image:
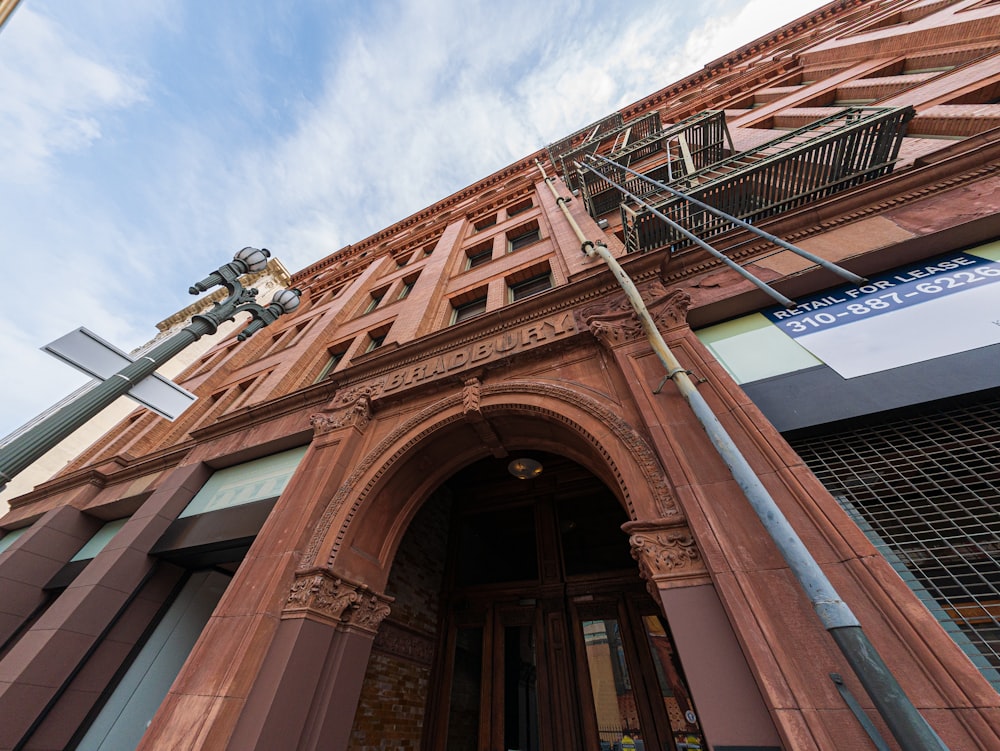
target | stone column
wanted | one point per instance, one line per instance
(309, 686)
(33, 559)
(729, 706)
(206, 703)
(40, 665)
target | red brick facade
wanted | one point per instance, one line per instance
(338, 627)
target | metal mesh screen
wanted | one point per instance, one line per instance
(926, 491)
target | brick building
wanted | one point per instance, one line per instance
(455, 500)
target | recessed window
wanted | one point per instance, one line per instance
(375, 341)
(485, 222)
(336, 355)
(407, 287)
(519, 207)
(376, 299)
(522, 236)
(531, 286)
(466, 310)
(479, 254)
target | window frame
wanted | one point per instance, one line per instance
(514, 287)
(459, 312)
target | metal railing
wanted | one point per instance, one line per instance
(828, 156)
(704, 137)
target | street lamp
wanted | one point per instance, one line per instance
(38, 439)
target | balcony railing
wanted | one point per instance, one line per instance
(673, 151)
(830, 155)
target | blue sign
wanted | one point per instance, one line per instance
(886, 293)
(912, 314)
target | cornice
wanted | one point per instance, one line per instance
(799, 27)
(434, 212)
(102, 476)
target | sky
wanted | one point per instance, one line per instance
(143, 143)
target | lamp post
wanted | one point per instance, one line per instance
(37, 440)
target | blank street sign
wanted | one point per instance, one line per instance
(86, 351)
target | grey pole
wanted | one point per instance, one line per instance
(907, 725)
(40, 438)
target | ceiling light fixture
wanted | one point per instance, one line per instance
(525, 468)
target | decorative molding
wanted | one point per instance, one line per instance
(667, 554)
(397, 640)
(634, 444)
(614, 321)
(357, 415)
(318, 593)
(471, 395)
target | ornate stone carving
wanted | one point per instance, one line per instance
(358, 416)
(667, 554)
(371, 610)
(334, 599)
(404, 643)
(471, 396)
(614, 321)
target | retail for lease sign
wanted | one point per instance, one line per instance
(915, 313)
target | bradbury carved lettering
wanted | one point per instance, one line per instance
(532, 335)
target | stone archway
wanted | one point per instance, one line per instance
(336, 604)
(394, 477)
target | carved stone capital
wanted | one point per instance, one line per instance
(667, 554)
(319, 594)
(613, 320)
(358, 415)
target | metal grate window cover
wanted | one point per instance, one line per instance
(926, 492)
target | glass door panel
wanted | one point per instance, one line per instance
(676, 701)
(466, 688)
(611, 686)
(520, 689)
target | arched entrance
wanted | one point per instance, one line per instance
(545, 635)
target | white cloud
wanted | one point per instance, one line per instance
(52, 96)
(172, 135)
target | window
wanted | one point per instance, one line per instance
(522, 236)
(467, 310)
(531, 286)
(376, 299)
(485, 223)
(375, 341)
(10, 537)
(519, 208)
(479, 254)
(99, 540)
(407, 287)
(336, 355)
(245, 483)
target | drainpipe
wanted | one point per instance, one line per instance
(906, 724)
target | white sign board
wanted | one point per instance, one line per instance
(908, 315)
(86, 351)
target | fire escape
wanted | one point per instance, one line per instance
(671, 182)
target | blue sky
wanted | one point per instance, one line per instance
(143, 143)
